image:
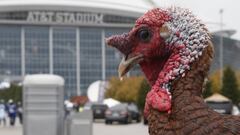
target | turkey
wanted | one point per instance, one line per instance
(174, 51)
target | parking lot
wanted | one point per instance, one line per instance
(99, 128)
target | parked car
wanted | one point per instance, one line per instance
(135, 113)
(99, 111)
(119, 113)
(221, 107)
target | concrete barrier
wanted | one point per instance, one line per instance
(80, 123)
(43, 109)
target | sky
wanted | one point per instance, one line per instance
(208, 12)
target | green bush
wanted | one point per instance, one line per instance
(230, 87)
(208, 89)
(142, 93)
(125, 90)
(14, 93)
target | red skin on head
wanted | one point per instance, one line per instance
(157, 98)
(156, 55)
(155, 17)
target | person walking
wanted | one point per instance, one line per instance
(20, 111)
(2, 113)
(12, 112)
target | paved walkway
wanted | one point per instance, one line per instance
(11, 130)
(98, 129)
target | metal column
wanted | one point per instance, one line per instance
(103, 56)
(221, 48)
(50, 50)
(22, 51)
(78, 60)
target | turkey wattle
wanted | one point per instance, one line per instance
(174, 51)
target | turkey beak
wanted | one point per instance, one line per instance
(127, 63)
(122, 43)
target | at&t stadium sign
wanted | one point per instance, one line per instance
(64, 17)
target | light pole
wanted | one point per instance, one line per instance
(221, 48)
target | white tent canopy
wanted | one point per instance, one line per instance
(217, 98)
(110, 102)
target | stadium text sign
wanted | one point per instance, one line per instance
(64, 17)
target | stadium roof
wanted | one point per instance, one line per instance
(123, 7)
(216, 97)
(225, 33)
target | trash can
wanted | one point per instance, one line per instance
(80, 123)
(43, 108)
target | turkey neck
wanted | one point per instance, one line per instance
(187, 91)
(186, 98)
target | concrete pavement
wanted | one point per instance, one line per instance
(116, 129)
(99, 128)
(11, 130)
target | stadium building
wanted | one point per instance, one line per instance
(230, 48)
(64, 37)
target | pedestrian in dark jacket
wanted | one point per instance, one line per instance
(12, 112)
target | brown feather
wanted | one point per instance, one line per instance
(190, 115)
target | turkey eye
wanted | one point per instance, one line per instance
(144, 35)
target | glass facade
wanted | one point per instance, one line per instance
(34, 43)
(36, 49)
(64, 57)
(90, 56)
(53, 49)
(10, 50)
(69, 44)
(231, 55)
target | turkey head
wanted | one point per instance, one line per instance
(164, 42)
